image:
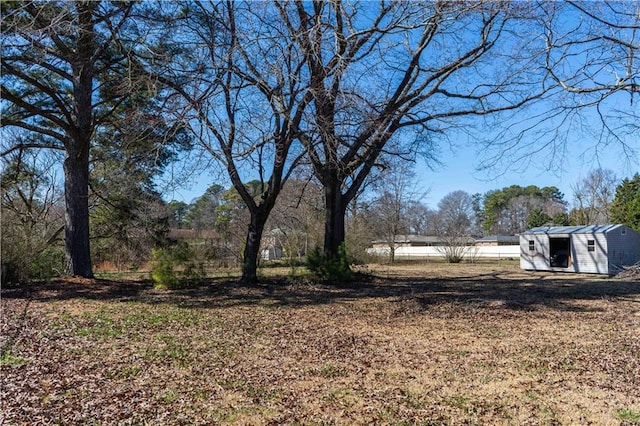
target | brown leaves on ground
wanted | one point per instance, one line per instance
(434, 344)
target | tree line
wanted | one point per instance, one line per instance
(267, 91)
(396, 209)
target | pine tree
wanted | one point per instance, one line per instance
(626, 204)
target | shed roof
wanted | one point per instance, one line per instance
(586, 229)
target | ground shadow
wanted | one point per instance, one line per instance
(494, 290)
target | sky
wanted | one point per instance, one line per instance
(459, 165)
(459, 172)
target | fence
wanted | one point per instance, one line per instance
(470, 253)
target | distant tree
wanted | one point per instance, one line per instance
(593, 196)
(296, 219)
(561, 219)
(454, 221)
(419, 218)
(625, 208)
(396, 189)
(178, 211)
(507, 211)
(537, 217)
(203, 212)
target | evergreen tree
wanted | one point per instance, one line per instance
(626, 204)
(62, 77)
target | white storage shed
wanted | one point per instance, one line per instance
(596, 249)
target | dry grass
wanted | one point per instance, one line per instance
(434, 344)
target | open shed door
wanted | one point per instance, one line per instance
(559, 252)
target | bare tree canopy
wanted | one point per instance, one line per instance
(597, 53)
(392, 77)
(591, 54)
(593, 196)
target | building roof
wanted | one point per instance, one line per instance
(499, 239)
(189, 234)
(414, 239)
(585, 229)
(411, 238)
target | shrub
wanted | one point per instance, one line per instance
(21, 265)
(173, 268)
(334, 268)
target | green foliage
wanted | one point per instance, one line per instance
(335, 268)
(174, 268)
(10, 360)
(497, 203)
(203, 212)
(537, 218)
(626, 204)
(628, 415)
(560, 219)
(21, 263)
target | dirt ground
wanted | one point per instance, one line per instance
(412, 344)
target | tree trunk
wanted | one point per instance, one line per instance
(252, 248)
(76, 164)
(76, 197)
(335, 210)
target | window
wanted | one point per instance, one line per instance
(591, 245)
(532, 245)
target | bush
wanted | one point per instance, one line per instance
(330, 268)
(25, 265)
(173, 268)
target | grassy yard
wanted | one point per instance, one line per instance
(431, 344)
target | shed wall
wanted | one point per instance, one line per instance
(591, 262)
(624, 249)
(582, 260)
(538, 259)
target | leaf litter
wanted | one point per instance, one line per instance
(408, 344)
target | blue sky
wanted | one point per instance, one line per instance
(459, 172)
(563, 165)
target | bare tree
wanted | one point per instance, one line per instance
(32, 216)
(454, 224)
(420, 218)
(61, 79)
(389, 77)
(592, 59)
(593, 197)
(296, 218)
(243, 94)
(397, 189)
